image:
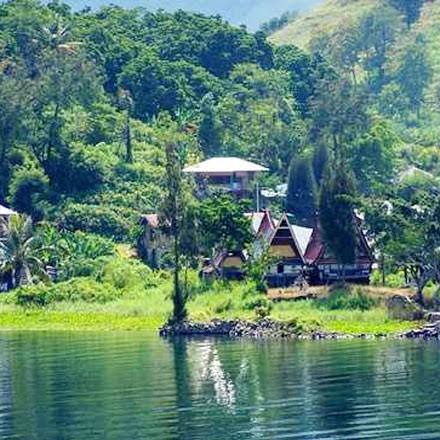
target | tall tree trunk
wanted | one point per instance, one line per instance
(127, 140)
(179, 313)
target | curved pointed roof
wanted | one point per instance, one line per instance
(5, 212)
(225, 165)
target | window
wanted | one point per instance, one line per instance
(280, 269)
(220, 180)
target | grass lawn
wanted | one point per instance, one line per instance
(149, 310)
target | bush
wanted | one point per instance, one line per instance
(123, 273)
(224, 306)
(342, 298)
(28, 189)
(97, 219)
(88, 167)
(74, 254)
(259, 304)
(394, 280)
(76, 289)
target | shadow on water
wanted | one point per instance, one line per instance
(124, 386)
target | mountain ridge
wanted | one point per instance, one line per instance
(251, 13)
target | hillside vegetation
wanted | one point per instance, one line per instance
(324, 18)
(101, 110)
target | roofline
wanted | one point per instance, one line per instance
(292, 233)
(260, 169)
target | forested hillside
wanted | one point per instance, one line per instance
(390, 52)
(91, 101)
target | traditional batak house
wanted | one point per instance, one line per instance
(287, 246)
(153, 243)
(231, 265)
(324, 268)
(228, 265)
(301, 252)
(262, 223)
(5, 213)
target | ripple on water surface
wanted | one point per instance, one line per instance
(125, 386)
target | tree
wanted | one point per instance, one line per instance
(301, 191)
(415, 72)
(66, 77)
(373, 157)
(406, 229)
(178, 218)
(378, 30)
(15, 93)
(320, 161)
(277, 23)
(305, 71)
(336, 214)
(28, 188)
(343, 47)
(339, 113)
(126, 105)
(20, 251)
(210, 131)
(223, 224)
(410, 8)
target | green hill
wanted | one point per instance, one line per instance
(334, 15)
(324, 18)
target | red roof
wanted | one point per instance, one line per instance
(262, 222)
(315, 247)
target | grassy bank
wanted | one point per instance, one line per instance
(138, 309)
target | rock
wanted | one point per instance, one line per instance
(434, 317)
(430, 331)
(404, 309)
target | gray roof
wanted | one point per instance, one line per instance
(303, 236)
(225, 165)
(6, 212)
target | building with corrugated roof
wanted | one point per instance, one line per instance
(228, 174)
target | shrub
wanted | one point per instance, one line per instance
(76, 289)
(124, 273)
(97, 219)
(394, 280)
(74, 254)
(37, 295)
(28, 189)
(342, 298)
(224, 306)
(259, 304)
(88, 167)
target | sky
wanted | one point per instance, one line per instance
(249, 12)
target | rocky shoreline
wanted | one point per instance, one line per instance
(269, 329)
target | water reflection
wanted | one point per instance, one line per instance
(136, 386)
(207, 371)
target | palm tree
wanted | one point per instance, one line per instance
(19, 250)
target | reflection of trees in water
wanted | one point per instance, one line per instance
(407, 385)
(101, 385)
(5, 389)
(339, 382)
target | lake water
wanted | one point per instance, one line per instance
(126, 386)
